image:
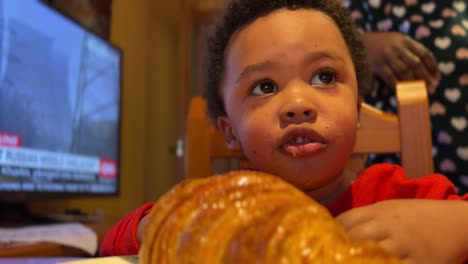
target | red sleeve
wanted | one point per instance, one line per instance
(386, 181)
(121, 238)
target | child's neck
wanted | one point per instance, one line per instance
(332, 190)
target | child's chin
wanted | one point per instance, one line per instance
(304, 182)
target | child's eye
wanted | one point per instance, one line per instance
(265, 87)
(326, 77)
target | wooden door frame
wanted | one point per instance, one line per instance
(195, 16)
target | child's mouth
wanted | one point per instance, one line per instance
(301, 142)
(300, 146)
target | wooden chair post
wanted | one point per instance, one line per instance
(197, 145)
(415, 128)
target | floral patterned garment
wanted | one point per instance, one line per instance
(442, 26)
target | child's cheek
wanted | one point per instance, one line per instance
(256, 138)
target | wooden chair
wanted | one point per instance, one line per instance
(407, 133)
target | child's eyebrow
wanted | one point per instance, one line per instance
(323, 55)
(309, 58)
(257, 67)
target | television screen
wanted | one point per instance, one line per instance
(59, 104)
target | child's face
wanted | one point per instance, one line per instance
(290, 93)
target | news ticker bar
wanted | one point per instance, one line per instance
(57, 187)
(36, 175)
(43, 159)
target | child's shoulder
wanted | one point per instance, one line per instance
(389, 181)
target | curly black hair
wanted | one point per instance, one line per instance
(240, 13)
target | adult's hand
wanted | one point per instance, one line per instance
(395, 57)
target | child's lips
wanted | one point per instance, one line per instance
(302, 142)
(303, 150)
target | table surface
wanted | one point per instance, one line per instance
(36, 260)
(48, 249)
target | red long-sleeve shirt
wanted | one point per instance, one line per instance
(377, 183)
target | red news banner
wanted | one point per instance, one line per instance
(10, 140)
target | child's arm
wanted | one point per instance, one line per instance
(123, 237)
(422, 231)
(141, 227)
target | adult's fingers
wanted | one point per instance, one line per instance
(426, 57)
(388, 75)
(401, 67)
(416, 66)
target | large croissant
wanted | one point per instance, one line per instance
(248, 217)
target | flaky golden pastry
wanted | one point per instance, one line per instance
(248, 217)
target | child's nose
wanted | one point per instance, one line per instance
(298, 112)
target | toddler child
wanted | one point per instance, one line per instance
(282, 84)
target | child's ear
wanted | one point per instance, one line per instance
(224, 125)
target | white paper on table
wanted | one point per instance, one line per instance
(132, 259)
(68, 234)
